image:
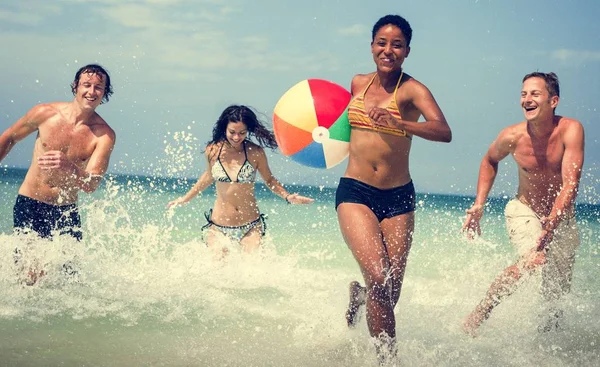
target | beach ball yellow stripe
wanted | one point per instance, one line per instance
(296, 107)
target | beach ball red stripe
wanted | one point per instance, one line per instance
(328, 110)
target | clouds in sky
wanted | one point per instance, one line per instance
(177, 61)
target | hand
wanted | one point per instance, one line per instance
(54, 159)
(548, 226)
(176, 202)
(471, 224)
(382, 117)
(534, 259)
(298, 199)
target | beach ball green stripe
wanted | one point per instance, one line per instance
(340, 130)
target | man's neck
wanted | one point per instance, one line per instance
(78, 115)
(542, 127)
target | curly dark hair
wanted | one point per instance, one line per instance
(395, 20)
(94, 69)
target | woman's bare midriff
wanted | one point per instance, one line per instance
(235, 205)
(378, 159)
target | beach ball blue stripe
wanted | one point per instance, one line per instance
(312, 155)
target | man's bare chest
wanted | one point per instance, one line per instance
(77, 143)
(539, 159)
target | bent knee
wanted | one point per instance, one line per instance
(378, 287)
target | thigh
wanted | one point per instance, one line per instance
(524, 227)
(29, 214)
(214, 237)
(397, 237)
(560, 257)
(252, 240)
(363, 236)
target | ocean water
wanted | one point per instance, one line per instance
(149, 293)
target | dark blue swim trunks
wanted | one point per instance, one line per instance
(385, 203)
(31, 214)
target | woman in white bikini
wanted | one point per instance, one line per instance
(233, 161)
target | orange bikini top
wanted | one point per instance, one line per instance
(359, 118)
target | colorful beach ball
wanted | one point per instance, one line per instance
(311, 123)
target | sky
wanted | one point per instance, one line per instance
(176, 64)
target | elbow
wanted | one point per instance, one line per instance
(90, 184)
(88, 189)
(270, 182)
(447, 138)
(447, 135)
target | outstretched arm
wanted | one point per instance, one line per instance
(23, 128)
(203, 182)
(488, 169)
(274, 185)
(572, 163)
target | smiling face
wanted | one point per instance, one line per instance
(389, 48)
(90, 90)
(236, 132)
(536, 101)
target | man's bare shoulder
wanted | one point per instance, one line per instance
(514, 130)
(511, 135)
(101, 127)
(568, 123)
(44, 111)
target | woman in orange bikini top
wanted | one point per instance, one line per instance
(375, 200)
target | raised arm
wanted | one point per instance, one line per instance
(203, 182)
(23, 128)
(572, 164)
(273, 184)
(488, 169)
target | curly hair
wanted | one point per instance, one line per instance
(395, 20)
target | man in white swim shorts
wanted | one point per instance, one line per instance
(549, 152)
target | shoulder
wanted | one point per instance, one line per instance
(101, 128)
(45, 111)
(359, 82)
(255, 150)
(570, 129)
(412, 86)
(212, 149)
(567, 123)
(511, 135)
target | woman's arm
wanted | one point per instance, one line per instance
(272, 183)
(203, 182)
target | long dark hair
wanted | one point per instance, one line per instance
(256, 128)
